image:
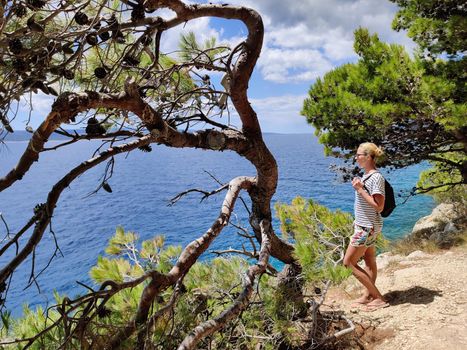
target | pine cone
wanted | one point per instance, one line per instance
(100, 72)
(145, 148)
(104, 36)
(106, 187)
(34, 26)
(103, 312)
(94, 128)
(56, 70)
(91, 39)
(68, 74)
(81, 18)
(20, 66)
(29, 81)
(15, 46)
(68, 49)
(137, 13)
(36, 4)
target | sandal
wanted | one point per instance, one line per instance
(358, 305)
(375, 307)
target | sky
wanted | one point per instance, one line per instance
(302, 41)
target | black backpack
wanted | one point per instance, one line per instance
(389, 199)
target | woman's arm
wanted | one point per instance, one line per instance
(376, 201)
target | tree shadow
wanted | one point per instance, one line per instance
(414, 295)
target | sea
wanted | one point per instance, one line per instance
(142, 185)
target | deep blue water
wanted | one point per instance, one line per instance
(142, 184)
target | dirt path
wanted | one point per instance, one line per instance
(428, 298)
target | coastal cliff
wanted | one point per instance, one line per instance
(443, 226)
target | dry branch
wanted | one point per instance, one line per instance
(186, 260)
(160, 119)
(241, 303)
(47, 210)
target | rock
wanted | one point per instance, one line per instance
(450, 228)
(418, 254)
(385, 254)
(442, 239)
(383, 260)
(440, 224)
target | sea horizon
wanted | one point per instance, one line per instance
(143, 184)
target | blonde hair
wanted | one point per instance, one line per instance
(371, 149)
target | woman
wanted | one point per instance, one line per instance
(369, 202)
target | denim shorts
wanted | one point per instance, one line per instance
(363, 236)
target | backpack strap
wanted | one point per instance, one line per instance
(363, 181)
(371, 175)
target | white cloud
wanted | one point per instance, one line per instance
(303, 40)
(285, 65)
(317, 26)
(201, 26)
(279, 114)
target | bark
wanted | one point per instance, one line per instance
(69, 105)
(248, 143)
(207, 328)
(290, 285)
(47, 210)
(188, 257)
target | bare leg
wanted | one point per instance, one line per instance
(352, 255)
(372, 272)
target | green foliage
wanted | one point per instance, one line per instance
(437, 178)
(191, 49)
(209, 288)
(120, 241)
(47, 49)
(151, 256)
(110, 269)
(436, 25)
(31, 324)
(320, 235)
(439, 27)
(6, 321)
(125, 262)
(388, 98)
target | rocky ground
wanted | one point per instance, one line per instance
(427, 294)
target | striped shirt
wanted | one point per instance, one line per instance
(365, 214)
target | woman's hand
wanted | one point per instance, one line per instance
(376, 201)
(357, 183)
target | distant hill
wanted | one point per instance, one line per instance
(22, 135)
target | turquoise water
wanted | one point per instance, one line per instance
(142, 185)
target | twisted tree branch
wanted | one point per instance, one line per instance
(241, 303)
